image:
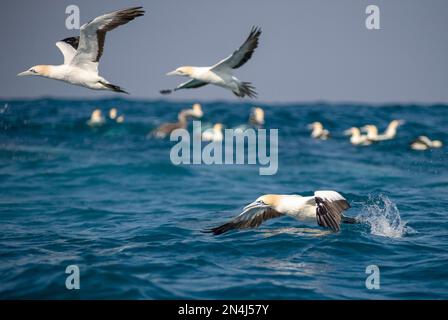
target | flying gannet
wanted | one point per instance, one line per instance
(389, 134)
(221, 74)
(213, 134)
(424, 143)
(324, 209)
(82, 54)
(165, 129)
(356, 138)
(318, 131)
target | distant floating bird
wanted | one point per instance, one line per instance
(257, 117)
(113, 113)
(424, 143)
(256, 121)
(96, 118)
(324, 209)
(82, 54)
(165, 129)
(356, 138)
(120, 119)
(318, 131)
(213, 134)
(389, 134)
(221, 74)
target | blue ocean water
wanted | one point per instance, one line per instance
(108, 200)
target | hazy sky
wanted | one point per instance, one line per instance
(310, 50)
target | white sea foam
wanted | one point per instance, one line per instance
(383, 218)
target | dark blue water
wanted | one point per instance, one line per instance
(109, 200)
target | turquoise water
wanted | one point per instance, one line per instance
(108, 200)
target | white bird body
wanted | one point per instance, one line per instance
(82, 54)
(389, 134)
(356, 138)
(318, 131)
(221, 74)
(213, 134)
(424, 143)
(324, 209)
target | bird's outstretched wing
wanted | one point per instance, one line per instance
(330, 206)
(186, 85)
(68, 47)
(242, 54)
(93, 35)
(251, 217)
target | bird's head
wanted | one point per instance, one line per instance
(396, 123)
(181, 71)
(197, 110)
(39, 70)
(370, 128)
(315, 125)
(351, 131)
(218, 126)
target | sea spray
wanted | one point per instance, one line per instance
(383, 217)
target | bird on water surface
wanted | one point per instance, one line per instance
(324, 208)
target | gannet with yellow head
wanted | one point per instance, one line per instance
(96, 118)
(256, 117)
(165, 129)
(213, 134)
(221, 74)
(356, 138)
(318, 131)
(82, 53)
(424, 143)
(389, 134)
(324, 208)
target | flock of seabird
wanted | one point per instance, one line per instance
(81, 57)
(357, 138)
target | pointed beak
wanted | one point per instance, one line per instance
(24, 73)
(172, 73)
(401, 122)
(255, 204)
(348, 132)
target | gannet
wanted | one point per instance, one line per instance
(96, 118)
(390, 133)
(324, 208)
(120, 119)
(221, 74)
(113, 113)
(356, 138)
(424, 143)
(82, 54)
(213, 134)
(318, 131)
(257, 117)
(165, 129)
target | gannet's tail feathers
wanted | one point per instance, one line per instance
(113, 87)
(245, 89)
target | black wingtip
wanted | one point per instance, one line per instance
(166, 91)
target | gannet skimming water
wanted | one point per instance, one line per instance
(82, 54)
(221, 73)
(324, 208)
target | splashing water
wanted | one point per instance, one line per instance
(383, 217)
